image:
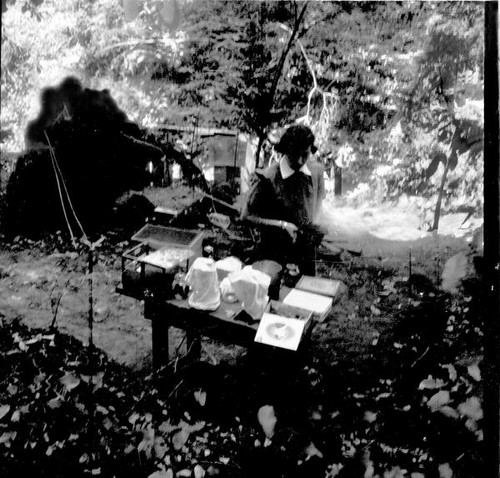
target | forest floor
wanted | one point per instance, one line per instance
(358, 399)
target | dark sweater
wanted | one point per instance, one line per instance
(296, 199)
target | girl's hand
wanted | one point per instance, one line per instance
(290, 228)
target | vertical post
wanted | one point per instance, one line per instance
(337, 174)
(233, 178)
(491, 311)
(91, 300)
(159, 339)
(91, 361)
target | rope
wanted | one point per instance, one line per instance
(57, 169)
(52, 157)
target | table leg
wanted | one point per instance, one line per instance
(160, 342)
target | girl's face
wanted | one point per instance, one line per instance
(297, 160)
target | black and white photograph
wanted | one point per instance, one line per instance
(249, 238)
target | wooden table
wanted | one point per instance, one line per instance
(222, 325)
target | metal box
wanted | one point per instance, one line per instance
(140, 275)
(151, 265)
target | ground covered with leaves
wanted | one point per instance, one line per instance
(390, 386)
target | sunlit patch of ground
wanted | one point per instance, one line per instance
(391, 230)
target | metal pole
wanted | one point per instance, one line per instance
(91, 300)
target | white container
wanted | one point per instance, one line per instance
(204, 285)
(227, 265)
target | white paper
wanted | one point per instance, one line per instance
(318, 304)
(280, 332)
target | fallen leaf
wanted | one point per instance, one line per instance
(7, 437)
(395, 472)
(70, 381)
(185, 473)
(316, 415)
(370, 469)
(438, 400)
(133, 418)
(374, 310)
(201, 397)
(471, 408)
(22, 346)
(129, 449)
(199, 472)
(224, 460)
(449, 412)
(370, 416)
(84, 458)
(451, 371)
(335, 469)
(107, 423)
(4, 409)
(34, 340)
(12, 389)
(160, 447)
(147, 442)
(445, 471)
(471, 425)
(267, 419)
(474, 372)
(430, 383)
(311, 451)
(180, 439)
(15, 416)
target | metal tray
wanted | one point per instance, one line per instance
(158, 236)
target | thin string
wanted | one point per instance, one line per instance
(55, 162)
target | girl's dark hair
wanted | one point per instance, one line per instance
(296, 139)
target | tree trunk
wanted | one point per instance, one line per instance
(258, 150)
(276, 78)
(437, 211)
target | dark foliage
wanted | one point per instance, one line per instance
(83, 143)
